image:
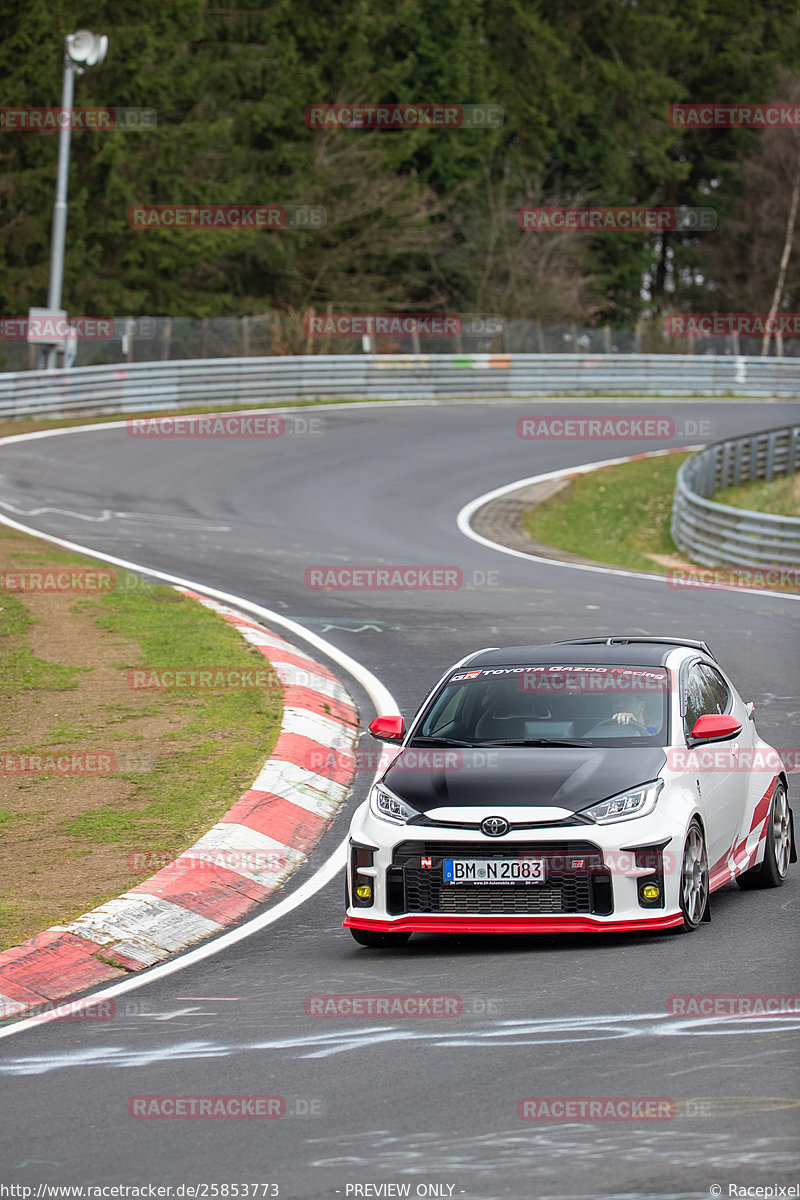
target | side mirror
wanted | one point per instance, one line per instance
(387, 729)
(751, 710)
(715, 729)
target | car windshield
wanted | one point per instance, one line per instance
(573, 704)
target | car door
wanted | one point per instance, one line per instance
(721, 784)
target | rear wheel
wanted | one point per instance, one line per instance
(694, 878)
(778, 850)
(379, 941)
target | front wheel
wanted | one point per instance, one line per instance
(778, 850)
(379, 941)
(694, 878)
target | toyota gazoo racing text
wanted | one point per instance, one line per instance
(602, 784)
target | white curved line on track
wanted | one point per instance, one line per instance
(381, 697)
(464, 518)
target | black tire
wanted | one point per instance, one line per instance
(379, 941)
(694, 878)
(778, 852)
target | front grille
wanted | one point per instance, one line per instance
(496, 901)
(413, 888)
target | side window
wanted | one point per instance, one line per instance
(700, 698)
(718, 688)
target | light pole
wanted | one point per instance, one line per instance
(81, 47)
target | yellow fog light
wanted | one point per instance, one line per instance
(364, 892)
(651, 891)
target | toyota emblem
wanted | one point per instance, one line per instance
(494, 826)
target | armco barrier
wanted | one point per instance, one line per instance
(227, 381)
(720, 535)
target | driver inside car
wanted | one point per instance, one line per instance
(636, 711)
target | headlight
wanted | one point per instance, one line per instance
(388, 807)
(638, 802)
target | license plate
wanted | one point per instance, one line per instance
(495, 870)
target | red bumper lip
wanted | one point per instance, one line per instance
(424, 924)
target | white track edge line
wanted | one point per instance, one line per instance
(465, 515)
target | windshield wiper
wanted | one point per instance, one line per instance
(439, 741)
(539, 742)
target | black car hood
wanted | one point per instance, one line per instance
(551, 776)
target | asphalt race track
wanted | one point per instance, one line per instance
(429, 1103)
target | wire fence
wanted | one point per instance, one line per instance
(173, 339)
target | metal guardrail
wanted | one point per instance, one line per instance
(132, 387)
(720, 535)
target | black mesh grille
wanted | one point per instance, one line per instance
(576, 881)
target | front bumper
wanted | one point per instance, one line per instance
(595, 876)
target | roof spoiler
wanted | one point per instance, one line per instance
(628, 640)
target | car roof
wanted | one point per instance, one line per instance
(617, 650)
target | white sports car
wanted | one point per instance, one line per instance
(581, 786)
